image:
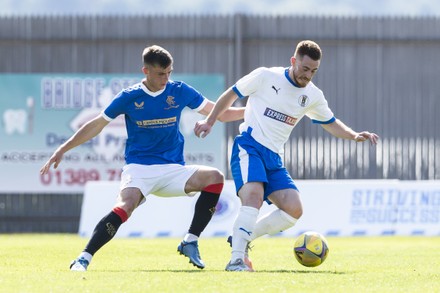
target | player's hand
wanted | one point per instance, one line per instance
(202, 128)
(365, 135)
(54, 159)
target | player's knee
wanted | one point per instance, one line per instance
(216, 176)
(128, 203)
(252, 199)
(297, 212)
(220, 176)
(294, 211)
(295, 207)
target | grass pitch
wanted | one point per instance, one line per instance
(39, 263)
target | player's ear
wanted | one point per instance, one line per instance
(292, 60)
(145, 70)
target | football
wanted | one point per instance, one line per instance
(311, 249)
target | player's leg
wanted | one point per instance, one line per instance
(177, 180)
(132, 187)
(128, 199)
(209, 181)
(249, 175)
(288, 212)
(281, 191)
(251, 196)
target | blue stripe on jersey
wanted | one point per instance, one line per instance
(333, 119)
(286, 74)
(235, 89)
(152, 123)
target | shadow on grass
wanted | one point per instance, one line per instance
(301, 272)
(256, 272)
(148, 271)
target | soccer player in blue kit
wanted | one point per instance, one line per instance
(279, 98)
(153, 153)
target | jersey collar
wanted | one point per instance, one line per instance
(147, 91)
(286, 73)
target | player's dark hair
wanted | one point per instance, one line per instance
(156, 55)
(308, 48)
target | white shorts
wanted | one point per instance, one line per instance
(161, 180)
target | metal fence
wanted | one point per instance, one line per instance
(28, 213)
(378, 73)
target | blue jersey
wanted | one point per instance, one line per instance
(152, 121)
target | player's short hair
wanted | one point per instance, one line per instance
(309, 48)
(156, 55)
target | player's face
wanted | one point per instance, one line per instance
(157, 77)
(303, 69)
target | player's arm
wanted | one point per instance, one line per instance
(221, 110)
(230, 114)
(339, 129)
(85, 133)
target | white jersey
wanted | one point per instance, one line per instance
(276, 105)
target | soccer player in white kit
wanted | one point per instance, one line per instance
(278, 99)
(153, 153)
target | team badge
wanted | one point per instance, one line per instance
(303, 100)
(171, 103)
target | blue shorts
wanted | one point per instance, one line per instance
(253, 162)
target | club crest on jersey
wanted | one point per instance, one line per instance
(171, 103)
(139, 106)
(303, 101)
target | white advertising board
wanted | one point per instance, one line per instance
(335, 208)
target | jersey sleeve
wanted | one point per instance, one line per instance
(250, 83)
(115, 108)
(320, 112)
(196, 101)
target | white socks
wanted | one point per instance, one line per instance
(273, 223)
(247, 228)
(87, 256)
(190, 238)
(243, 230)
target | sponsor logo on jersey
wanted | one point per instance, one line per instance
(279, 116)
(276, 89)
(171, 103)
(303, 100)
(157, 122)
(139, 106)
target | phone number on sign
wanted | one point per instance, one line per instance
(78, 176)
